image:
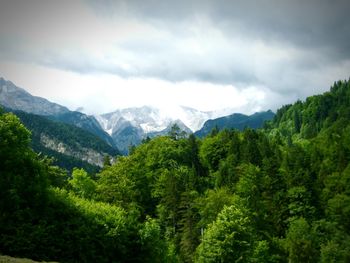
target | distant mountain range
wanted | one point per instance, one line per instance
(129, 126)
(125, 127)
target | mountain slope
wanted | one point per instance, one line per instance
(17, 98)
(69, 145)
(236, 121)
(316, 114)
(86, 122)
(126, 134)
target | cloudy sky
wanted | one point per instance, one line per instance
(246, 55)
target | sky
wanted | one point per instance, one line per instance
(243, 55)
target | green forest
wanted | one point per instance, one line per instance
(277, 194)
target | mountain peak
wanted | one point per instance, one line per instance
(16, 98)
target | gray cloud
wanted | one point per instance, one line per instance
(293, 48)
(309, 24)
(318, 30)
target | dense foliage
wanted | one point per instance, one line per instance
(280, 194)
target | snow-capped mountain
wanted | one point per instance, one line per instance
(129, 126)
(150, 119)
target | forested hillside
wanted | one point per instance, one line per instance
(279, 194)
(86, 122)
(236, 121)
(69, 145)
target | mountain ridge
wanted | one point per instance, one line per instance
(236, 121)
(16, 98)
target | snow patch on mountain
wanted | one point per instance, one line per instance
(150, 119)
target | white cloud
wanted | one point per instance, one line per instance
(100, 93)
